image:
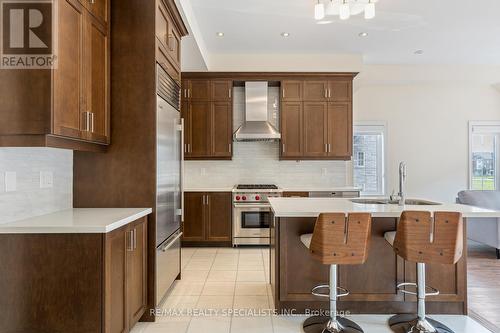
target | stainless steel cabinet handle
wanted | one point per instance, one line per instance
(329, 148)
(92, 1)
(135, 238)
(170, 38)
(92, 122)
(230, 147)
(88, 121)
(190, 149)
(130, 246)
(208, 199)
(283, 93)
(229, 93)
(326, 148)
(326, 93)
(283, 147)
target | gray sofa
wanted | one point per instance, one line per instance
(483, 230)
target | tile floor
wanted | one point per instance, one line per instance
(226, 290)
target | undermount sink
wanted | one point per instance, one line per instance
(394, 202)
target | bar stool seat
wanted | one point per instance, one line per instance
(422, 239)
(336, 240)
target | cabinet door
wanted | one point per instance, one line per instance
(339, 130)
(96, 78)
(115, 318)
(137, 271)
(219, 217)
(199, 90)
(340, 91)
(161, 24)
(199, 129)
(315, 90)
(194, 221)
(174, 44)
(222, 129)
(315, 129)
(291, 129)
(68, 95)
(222, 90)
(291, 91)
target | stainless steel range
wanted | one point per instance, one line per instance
(252, 213)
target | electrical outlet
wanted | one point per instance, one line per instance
(46, 179)
(10, 181)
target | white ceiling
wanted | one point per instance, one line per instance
(448, 31)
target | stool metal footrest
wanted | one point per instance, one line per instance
(343, 292)
(410, 323)
(401, 288)
(324, 324)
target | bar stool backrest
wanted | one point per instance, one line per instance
(419, 238)
(340, 240)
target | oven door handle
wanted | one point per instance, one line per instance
(266, 207)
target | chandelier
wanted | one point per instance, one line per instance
(344, 8)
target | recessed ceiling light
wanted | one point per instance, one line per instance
(285, 34)
(220, 34)
(363, 34)
(419, 52)
(324, 22)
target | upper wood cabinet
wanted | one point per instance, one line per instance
(78, 116)
(168, 35)
(328, 90)
(208, 117)
(319, 126)
(207, 218)
(291, 91)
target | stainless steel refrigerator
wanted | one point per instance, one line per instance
(169, 196)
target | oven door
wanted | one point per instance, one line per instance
(251, 220)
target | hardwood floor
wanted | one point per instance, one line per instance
(484, 285)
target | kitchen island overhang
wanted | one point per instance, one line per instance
(372, 286)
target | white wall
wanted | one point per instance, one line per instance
(426, 108)
(29, 200)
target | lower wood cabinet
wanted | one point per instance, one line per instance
(125, 276)
(76, 283)
(207, 217)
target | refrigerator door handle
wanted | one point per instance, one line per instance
(181, 185)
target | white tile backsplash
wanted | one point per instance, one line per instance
(29, 199)
(258, 162)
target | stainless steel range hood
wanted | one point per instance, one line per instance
(256, 126)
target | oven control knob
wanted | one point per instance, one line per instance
(238, 197)
(244, 197)
(257, 197)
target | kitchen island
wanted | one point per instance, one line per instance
(372, 286)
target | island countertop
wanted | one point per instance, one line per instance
(312, 207)
(76, 220)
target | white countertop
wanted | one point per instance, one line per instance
(312, 207)
(76, 220)
(285, 189)
(209, 189)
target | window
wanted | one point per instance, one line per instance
(484, 140)
(368, 164)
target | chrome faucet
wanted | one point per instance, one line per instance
(402, 181)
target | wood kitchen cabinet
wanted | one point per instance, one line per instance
(168, 51)
(291, 90)
(208, 117)
(207, 218)
(320, 125)
(125, 276)
(68, 106)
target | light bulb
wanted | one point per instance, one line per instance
(370, 10)
(332, 8)
(319, 11)
(345, 11)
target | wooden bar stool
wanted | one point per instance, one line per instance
(422, 239)
(337, 240)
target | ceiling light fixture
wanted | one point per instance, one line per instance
(344, 8)
(363, 34)
(220, 34)
(285, 34)
(319, 11)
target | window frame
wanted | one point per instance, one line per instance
(494, 127)
(374, 127)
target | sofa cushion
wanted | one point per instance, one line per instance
(483, 199)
